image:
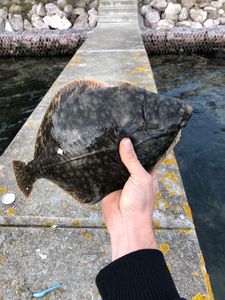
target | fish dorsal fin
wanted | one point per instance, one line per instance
(77, 86)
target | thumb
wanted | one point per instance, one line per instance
(130, 160)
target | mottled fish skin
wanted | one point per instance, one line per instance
(77, 143)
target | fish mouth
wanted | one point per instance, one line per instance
(186, 113)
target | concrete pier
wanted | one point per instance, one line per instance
(50, 238)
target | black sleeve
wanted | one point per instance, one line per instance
(140, 275)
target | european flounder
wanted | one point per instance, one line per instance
(77, 142)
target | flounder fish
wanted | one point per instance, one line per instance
(77, 142)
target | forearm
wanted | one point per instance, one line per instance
(140, 275)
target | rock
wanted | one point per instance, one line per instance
(146, 2)
(160, 5)
(39, 24)
(222, 20)
(68, 10)
(80, 4)
(186, 23)
(198, 15)
(151, 19)
(188, 3)
(34, 18)
(2, 25)
(145, 9)
(212, 12)
(34, 9)
(94, 4)
(62, 4)
(196, 25)
(216, 22)
(221, 12)
(56, 22)
(16, 22)
(27, 25)
(93, 19)
(3, 13)
(18, 2)
(52, 10)
(183, 14)
(216, 4)
(8, 27)
(208, 23)
(81, 22)
(15, 9)
(92, 12)
(41, 10)
(172, 11)
(165, 24)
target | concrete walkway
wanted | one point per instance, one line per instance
(33, 253)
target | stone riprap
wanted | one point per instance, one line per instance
(21, 15)
(192, 14)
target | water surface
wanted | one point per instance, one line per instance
(23, 83)
(200, 80)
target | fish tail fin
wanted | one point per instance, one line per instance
(24, 179)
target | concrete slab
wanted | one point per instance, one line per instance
(39, 258)
(108, 40)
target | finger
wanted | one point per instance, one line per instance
(130, 160)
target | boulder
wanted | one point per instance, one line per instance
(56, 22)
(15, 9)
(52, 10)
(216, 4)
(68, 9)
(2, 25)
(183, 14)
(198, 15)
(39, 24)
(62, 4)
(3, 13)
(34, 18)
(160, 5)
(186, 23)
(8, 27)
(172, 11)
(27, 25)
(94, 4)
(208, 23)
(93, 19)
(188, 3)
(222, 20)
(196, 25)
(81, 22)
(16, 22)
(145, 9)
(151, 19)
(80, 4)
(212, 12)
(41, 10)
(165, 24)
(92, 12)
(34, 9)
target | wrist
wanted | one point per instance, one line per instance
(131, 239)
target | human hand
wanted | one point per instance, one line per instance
(128, 212)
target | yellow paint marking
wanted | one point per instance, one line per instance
(77, 59)
(48, 223)
(3, 190)
(142, 69)
(200, 297)
(169, 266)
(156, 224)
(75, 223)
(196, 274)
(87, 235)
(2, 261)
(165, 248)
(171, 176)
(170, 161)
(29, 123)
(186, 231)
(187, 210)
(206, 278)
(11, 211)
(158, 195)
